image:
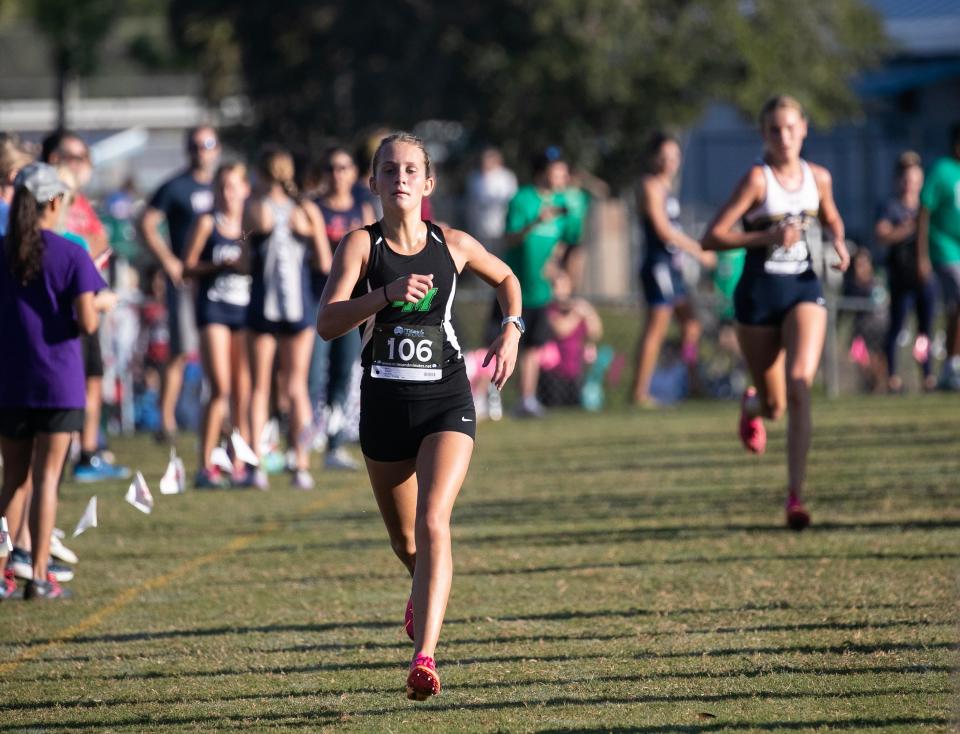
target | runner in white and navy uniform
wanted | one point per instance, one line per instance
(661, 274)
(289, 251)
(779, 304)
(397, 279)
(216, 259)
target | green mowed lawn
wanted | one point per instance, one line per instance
(625, 571)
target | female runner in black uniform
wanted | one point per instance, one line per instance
(397, 279)
(779, 304)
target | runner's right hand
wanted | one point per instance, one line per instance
(174, 270)
(409, 288)
(787, 234)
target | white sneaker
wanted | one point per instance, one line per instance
(59, 550)
(340, 459)
(302, 480)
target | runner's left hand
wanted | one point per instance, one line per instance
(504, 350)
(843, 263)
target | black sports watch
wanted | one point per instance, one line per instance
(517, 320)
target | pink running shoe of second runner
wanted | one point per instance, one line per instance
(423, 681)
(408, 618)
(752, 432)
(797, 516)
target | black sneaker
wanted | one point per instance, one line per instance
(21, 561)
(48, 589)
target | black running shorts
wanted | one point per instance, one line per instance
(20, 424)
(392, 429)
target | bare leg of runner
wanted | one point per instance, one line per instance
(648, 351)
(395, 488)
(804, 330)
(295, 353)
(263, 347)
(240, 385)
(215, 351)
(763, 352)
(441, 468)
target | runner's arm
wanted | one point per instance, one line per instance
(339, 312)
(830, 216)
(653, 205)
(721, 235)
(196, 238)
(468, 253)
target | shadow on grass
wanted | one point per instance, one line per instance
(825, 724)
(500, 685)
(555, 616)
(842, 649)
(303, 718)
(609, 536)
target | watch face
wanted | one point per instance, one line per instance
(521, 324)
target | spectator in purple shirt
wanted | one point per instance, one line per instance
(48, 297)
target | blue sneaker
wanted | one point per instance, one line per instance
(20, 562)
(99, 469)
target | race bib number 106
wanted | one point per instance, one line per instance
(408, 353)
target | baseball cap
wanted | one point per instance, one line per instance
(41, 180)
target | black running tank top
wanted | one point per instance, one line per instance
(410, 350)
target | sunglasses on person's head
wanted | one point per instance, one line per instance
(205, 144)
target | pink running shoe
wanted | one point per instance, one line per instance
(752, 433)
(797, 516)
(423, 681)
(408, 618)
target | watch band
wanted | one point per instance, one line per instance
(517, 320)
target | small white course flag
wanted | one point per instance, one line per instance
(172, 481)
(89, 518)
(5, 539)
(220, 457)
(139, 495)
(269, 437)
(242, 450)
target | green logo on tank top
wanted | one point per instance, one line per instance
(423, 304)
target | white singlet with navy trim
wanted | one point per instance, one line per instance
(800, 205)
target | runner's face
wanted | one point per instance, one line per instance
(235, 191)
(784, 131)
(401, 179)
(343, 172)
(670, 158)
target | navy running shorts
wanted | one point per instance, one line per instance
(765, 300)
(226, 314)
(393, 429)
(662, 285)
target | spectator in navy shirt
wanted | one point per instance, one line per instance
(896, 230)
(180, 201)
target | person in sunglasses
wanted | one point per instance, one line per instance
(179, 201)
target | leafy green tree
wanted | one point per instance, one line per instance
(595, 76)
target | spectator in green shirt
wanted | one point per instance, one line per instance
(542, 223)
(938, 246)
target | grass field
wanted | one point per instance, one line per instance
(617, 572)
